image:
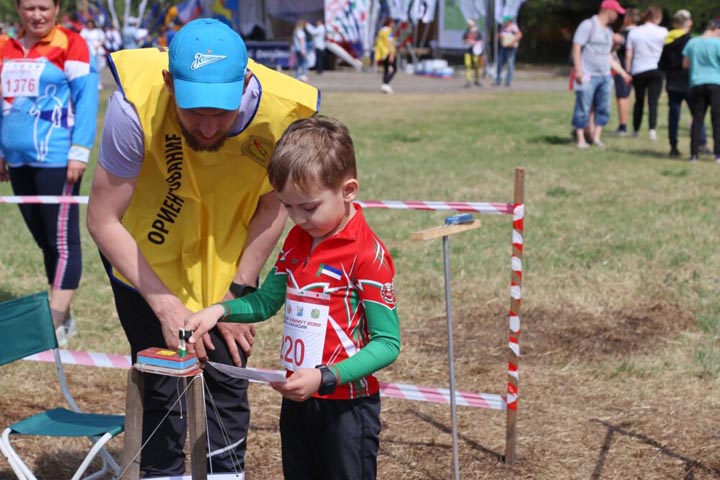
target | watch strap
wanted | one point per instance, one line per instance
(241, 289)
(328, 381)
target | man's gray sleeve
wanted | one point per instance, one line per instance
(122, 145)
(582, 33)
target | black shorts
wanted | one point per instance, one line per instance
(330, 439)
(622, 89)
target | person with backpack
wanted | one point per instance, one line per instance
(592, 59)
(677, 79)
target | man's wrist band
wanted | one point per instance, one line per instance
(241, 289)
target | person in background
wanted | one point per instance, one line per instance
(509, 37)
(386, 52)
(95, 37)
(3, 36)
(300, 49)
(473, 56)
(702, 57)
(622, 88)
(183, 215)
(592, 59)
(318, 32)
(113, 39)
(130, 32)
(644, 47)
(49, 119)
(677, 82)
(337, 271)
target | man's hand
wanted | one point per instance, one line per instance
(171, 313)
(235, 334)
(75, 170)
(300, 385)
(578, 76)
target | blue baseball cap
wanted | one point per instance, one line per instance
(208, 61)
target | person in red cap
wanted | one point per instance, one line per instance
(592, 59)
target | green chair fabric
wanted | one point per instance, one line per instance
(27, 327)
(25, 320)
(61, 422)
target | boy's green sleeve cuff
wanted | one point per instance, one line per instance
(226, 309)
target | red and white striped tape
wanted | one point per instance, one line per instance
(51, 199)
(480, 207)
(391, 390)
(516, 294)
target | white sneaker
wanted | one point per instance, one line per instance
(653, 135)
(66, 330)
(61, 334)
(386, 88)
(70, 326)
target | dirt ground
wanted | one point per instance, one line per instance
(574, 419)
(601, 395)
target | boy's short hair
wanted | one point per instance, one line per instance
(313, 153)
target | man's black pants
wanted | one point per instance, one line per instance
(226, 406)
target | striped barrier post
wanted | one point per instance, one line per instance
(514, 316)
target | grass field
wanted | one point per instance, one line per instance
(621, 297)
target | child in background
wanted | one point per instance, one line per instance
(335, 278)
(473, 57)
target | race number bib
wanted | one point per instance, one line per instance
(306, 317)
(21, 78)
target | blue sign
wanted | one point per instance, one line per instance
(270, 54)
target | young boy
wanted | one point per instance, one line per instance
(335, 278)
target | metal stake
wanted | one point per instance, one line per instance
(451, 356)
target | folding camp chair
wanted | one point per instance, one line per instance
(28, 328)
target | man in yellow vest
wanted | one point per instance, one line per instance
(184, 216)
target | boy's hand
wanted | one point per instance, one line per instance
(300, 385)
(203, 321)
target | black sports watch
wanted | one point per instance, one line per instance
(328, 383)
(240, 289)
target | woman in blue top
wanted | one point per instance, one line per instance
(702, 57)
(49, 116)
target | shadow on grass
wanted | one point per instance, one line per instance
(56, 465)
(691, 465)
(553, 140)
(446, 429)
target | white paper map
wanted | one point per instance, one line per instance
(263, 376)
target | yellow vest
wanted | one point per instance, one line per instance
(384, 46)
(191, 210)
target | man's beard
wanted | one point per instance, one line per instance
(196, 146)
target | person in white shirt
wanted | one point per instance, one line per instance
(95, 38)
(644, 47)
(318, 40)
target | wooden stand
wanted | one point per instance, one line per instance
(134, 423)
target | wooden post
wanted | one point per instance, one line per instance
(196, 427)
(514, 317)
(133, 424)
